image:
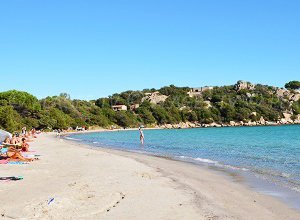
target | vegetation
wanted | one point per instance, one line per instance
(293, 85)
(220, 105)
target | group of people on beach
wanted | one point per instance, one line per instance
(12, 148)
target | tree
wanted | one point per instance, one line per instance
(62, 120)
(24, 103)
(10, 120)
(146, 115)
(292, 85)
(103, 103)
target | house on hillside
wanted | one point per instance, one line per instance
(197, 91)
(119, 108)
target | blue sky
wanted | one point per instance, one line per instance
(92, 49)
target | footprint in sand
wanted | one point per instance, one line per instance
(144, 175)
(108, 208)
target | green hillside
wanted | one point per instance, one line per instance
(243, 103)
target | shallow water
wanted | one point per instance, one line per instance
(270, 153)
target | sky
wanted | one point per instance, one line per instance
(92, 49)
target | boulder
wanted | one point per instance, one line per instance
(287, 117)
(253, 113)
(262, 121)
(154, 97)
(215, 125)
(282, 92)
(297, 119)
(294, 97)
(232, 123)
(250, 123)
(244, 85)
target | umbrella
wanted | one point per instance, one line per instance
(4, 134)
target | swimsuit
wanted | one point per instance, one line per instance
(4, 150)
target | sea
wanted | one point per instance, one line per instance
(267, 156)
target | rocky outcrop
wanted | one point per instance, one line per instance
(297, 120)
(244, 85)
(294, 97)
(282, 92)
(154, 97)
(262, 121)
(287, 118)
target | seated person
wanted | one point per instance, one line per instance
(11, 142)
(6, 141)
(25, 146)
(14, 139)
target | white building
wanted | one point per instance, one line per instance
(119, 108)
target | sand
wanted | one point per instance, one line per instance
(85, 183)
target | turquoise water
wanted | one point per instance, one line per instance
(272, 153)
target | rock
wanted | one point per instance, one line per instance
(297, 120)
(250, 123)
(154, 97)
(262, 121)
(283, 121)
(232, 123)
(282, 92)
(294, 97)
(254, 113)
(287, 117)
(208, 104)
(191, 125)
(244, 85)
(215, 125)
(271, 123)
(168, 126)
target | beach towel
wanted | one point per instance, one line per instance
(17, 162)
(5, 161)
(31, 155)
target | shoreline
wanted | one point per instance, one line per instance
(248, 179)
(172, 126)
(245, 179)
(234, 177)
(105, 184)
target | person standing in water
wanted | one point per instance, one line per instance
(142, 137)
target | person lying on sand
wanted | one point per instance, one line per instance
(13, 154)
(17, 156)
(9, 151)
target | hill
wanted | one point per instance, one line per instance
(241, 104)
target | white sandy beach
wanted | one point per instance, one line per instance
(107, 184)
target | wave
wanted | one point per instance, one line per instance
(272, 173)
(74, 139)
(213, 162)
